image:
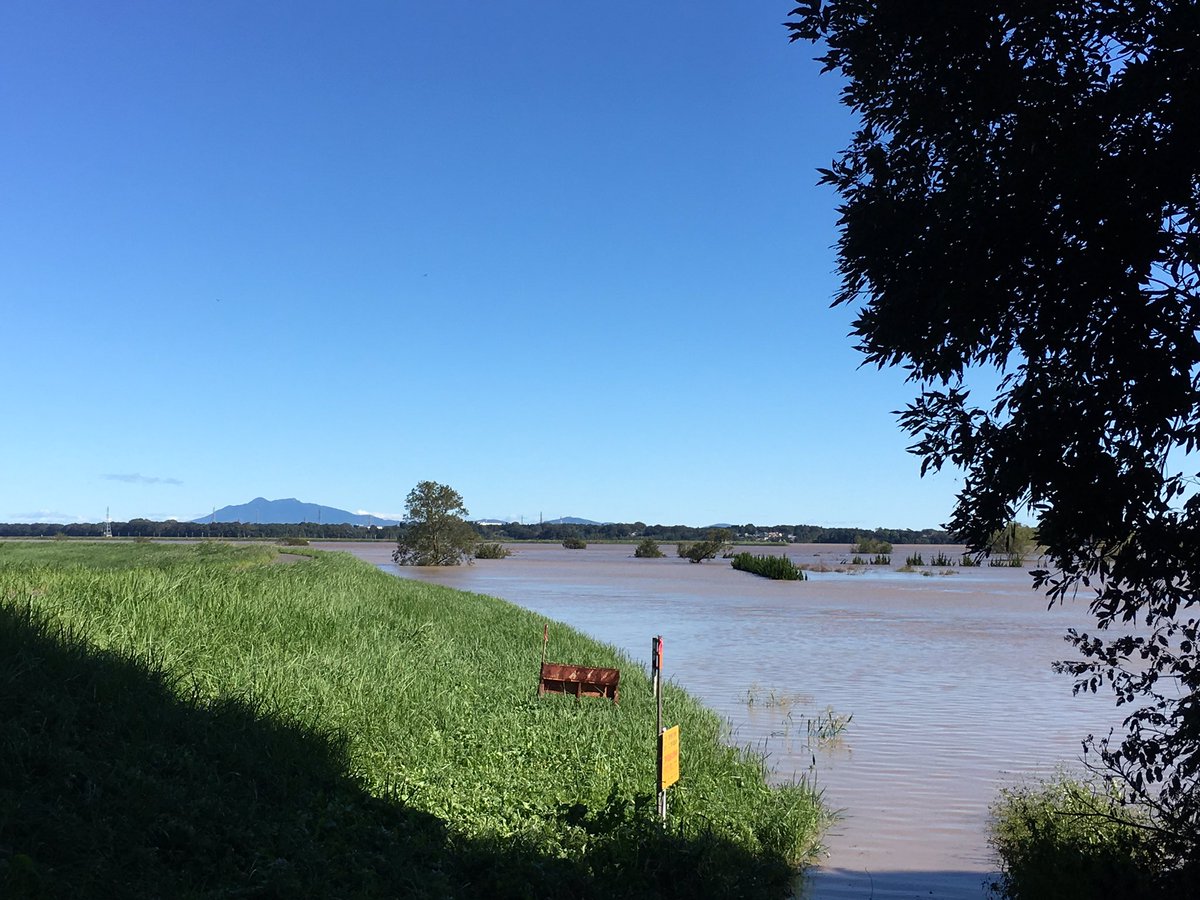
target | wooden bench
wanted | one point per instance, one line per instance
(582, 681)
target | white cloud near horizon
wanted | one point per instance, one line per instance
(135, 478)
(398, 517)
(45, 517)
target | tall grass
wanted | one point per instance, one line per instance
(109, 554)
(879, 560)
(492, 550)
(778, 568)
(1068, 840)
(427, 695)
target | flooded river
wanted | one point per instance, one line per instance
(947, 678)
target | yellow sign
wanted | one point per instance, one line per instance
(668, 758)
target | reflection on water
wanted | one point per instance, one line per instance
(947, 678)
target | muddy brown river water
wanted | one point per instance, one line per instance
(947, 678)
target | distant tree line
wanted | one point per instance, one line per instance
(799, 534)
(512, 531)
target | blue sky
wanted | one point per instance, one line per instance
(570, 260)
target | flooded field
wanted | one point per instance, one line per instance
(947, 678)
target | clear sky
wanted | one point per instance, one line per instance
(570, 260)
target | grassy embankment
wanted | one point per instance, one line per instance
(202, 721)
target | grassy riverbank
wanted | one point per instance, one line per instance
(204, 720)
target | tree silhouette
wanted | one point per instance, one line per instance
(1019, 208)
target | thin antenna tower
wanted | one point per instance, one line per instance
(107, 523)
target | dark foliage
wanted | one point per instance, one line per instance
(1020, 208)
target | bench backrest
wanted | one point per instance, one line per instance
(582, 681)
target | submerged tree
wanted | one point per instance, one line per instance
(436, 533)
(1011, 544)
(1021, 206)
(648, 549)
(718, 541)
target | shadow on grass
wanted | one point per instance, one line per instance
(111, 784)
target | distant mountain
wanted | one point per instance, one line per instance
(572, 520)
(289, 512)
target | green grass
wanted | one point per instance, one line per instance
(198, 721)
(1069, 840)
(828, 726)
(492, 550)
(777, 568)
(110, 554)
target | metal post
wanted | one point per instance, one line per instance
(656, 663)
(545, 642)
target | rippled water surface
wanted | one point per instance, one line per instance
(947, 678)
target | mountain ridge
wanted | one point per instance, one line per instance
(290, 511)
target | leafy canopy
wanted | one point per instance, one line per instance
(698, 551)
(1019, 207)
(648, 549)
(436, 533)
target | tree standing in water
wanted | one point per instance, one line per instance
(436, 532)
